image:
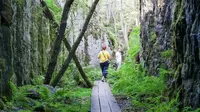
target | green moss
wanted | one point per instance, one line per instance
(155, 45)
(178, 70)
(167, 53)
(24, 111)
(20, 2)
(67, 99)
(164, 73)
(55, 9)
(96, 34)
(178, 24)
(135, 32)
(197, 110)
(2, 65)
(134, 38)
(178, 19)
(87, 59)
(134, 43)
(2, 105)
(152, 36)
(179, 10)
(112, 38)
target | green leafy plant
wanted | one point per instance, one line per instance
(37, 79)
(167, 53)
(146, 92)
(66, 99)
(55, 9)
(93, 73)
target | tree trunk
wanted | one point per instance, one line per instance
(123, 24)
(49, 15)
(78, 65)
(57, 44)
(113, 14)
(74, 47)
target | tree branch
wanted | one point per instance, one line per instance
(57, 44)
(50, 16)
(74, 47)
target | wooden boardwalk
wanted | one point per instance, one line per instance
(102, 99)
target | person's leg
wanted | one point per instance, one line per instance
(102, 71)
(101, 66)
(106, 65)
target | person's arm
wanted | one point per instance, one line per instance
(99, 55)
(108, 56)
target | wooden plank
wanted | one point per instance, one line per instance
(102, 98)
(95, 107)
(111, 99)
(104, 105)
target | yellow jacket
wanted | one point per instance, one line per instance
(103, 56)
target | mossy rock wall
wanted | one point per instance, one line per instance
(31, 40)
(6, 53)
(170, 40)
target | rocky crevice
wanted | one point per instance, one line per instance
(170, 40)
(31, 38)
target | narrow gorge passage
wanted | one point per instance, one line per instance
(54, 53)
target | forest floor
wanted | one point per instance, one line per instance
(124, 103)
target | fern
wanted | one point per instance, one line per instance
(44, 92)
(146, 92)
(37, 79)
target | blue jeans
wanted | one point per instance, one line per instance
(104, 68)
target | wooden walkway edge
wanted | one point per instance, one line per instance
(102, 99)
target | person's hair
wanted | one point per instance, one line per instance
(104, 47)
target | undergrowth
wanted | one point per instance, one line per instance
(93, 73)
(44, 98)
(147, 93)
(68, 96)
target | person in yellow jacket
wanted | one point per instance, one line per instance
(104, 57)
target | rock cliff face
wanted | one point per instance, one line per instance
(32, 40)
(170, 41)
(27, 42)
